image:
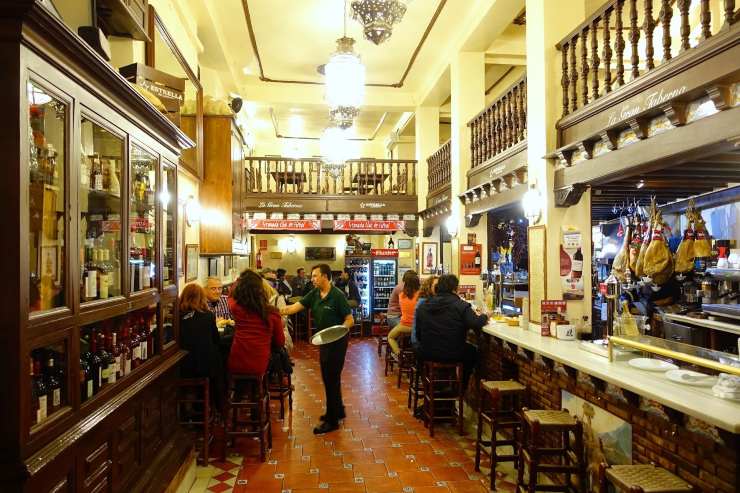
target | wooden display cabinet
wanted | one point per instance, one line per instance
(89, 190)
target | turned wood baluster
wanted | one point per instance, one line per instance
(683, 8)
(499, 128)
(491, 150)
(564, 81)
(649, 27)
(515, 113)
(634, 39)
(478, 141)
(573, 74)
(706, 20)
(666, 13)
(523, 108)
(729, 13)
(482, 137)
(413, 178)
(619, 43)
(472, 144)
(510, 111)
(607, 53)
(584, 65)
(595, 62)
(507, 125)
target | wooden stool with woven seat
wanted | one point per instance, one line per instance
(280, 388)
(406, 360)
(443, 384)
(642, 478)
(193, 393)
(248, 411)
(568, 455)
(416, 388)
(380, 331)
(506, 400)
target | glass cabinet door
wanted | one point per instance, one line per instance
(47, 132)
(169, 204)
(100, 212)
(142, 219)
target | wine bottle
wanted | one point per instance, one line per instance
(40, 392)
(34, 395)
(54, 387)
(105, 359)
(86, 381)
(116, 352)
(93, 360)
(577, 267)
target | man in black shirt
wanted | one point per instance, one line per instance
(328, 307)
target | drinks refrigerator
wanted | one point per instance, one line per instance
(359, 266)
(384, 279)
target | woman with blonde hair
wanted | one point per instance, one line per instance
(407, 299)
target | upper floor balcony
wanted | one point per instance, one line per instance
(438, 173)
(276, 183)
(657, 77)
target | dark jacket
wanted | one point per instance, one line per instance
(442, 323)
(199, 336)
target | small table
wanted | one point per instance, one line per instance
(370, 181)
(284, 178)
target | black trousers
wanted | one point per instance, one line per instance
(331, 357)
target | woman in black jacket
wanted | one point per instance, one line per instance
(199, 337)
(442, 324)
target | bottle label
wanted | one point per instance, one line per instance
(127, 366)
(103, 286)
(100, 377)
(137, 352)
(41, 412)
(118, 365)
(57, 398)
(144, 355)
(89, 389)
(112, 374)
(105, 374)
(577, 266)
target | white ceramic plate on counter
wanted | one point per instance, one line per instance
(651, 364)
(693, 378)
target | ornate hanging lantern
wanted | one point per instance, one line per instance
(378, 16)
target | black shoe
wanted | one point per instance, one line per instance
(341, 416)
(325, 427)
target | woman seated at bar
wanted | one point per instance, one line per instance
(407, 299)
(199, 337)
(258, 327)
(428, 289)
(442, 324)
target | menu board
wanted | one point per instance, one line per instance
(537, 246)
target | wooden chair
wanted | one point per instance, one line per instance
(416, 389)
(193, 393)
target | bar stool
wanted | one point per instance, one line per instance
(280, 388)
(639, 478)
(498, 418)
(188, 390)
(380, 331)
(416, 389)
(248, 411)
(570, 456)
(443, 383)
(406, 359)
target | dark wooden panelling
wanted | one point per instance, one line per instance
(127, 453)
(96, 467)
(151, 421)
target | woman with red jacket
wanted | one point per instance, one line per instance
(258, 326)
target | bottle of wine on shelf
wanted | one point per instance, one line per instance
(54, 386)
(115, 352)
(95, 364)
(40, 393)
(125, 353)
(86, 381)
(135, 347)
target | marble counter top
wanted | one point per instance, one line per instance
(694, 401)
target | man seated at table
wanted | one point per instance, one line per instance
(442, 324)
(217, 302)
(347, 285)
(299, 282)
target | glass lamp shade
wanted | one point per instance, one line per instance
(336, 149)
(345, 77)
(532, 205)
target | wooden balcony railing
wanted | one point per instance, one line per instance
(625, 39)
(438, 168)
(281, 175)
(501, 125)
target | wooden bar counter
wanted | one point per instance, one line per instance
(685, 429)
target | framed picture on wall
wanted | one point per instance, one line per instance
(212, 266)
(428, 258)
(191, 262)
(404, 244)
(321, 253)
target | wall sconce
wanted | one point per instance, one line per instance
(192, 211)
(532, 204)
(290, 244)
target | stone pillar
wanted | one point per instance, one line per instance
(547, 23)
(468, 97)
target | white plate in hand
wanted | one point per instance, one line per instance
(651, 364)
(688, 377)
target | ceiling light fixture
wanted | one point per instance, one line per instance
(378, 16)
(640, 184)
(335, 150)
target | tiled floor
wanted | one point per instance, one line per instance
(380, 447)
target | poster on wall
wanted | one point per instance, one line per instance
(428, 258)
(571, 264)
(470, 259)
